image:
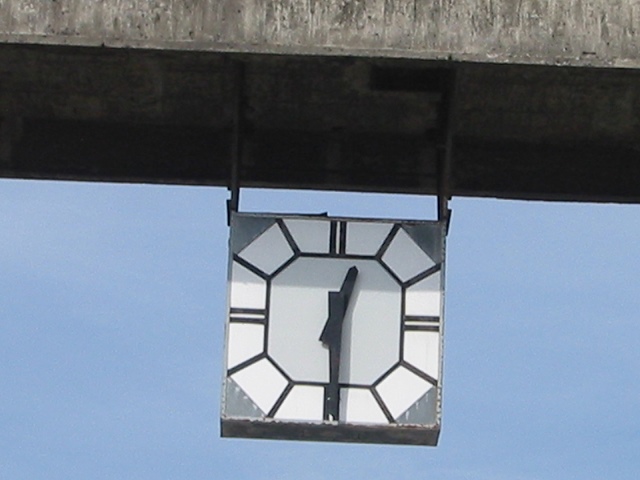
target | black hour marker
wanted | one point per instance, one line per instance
(333, 233)
(342, 245)
(248, 315)
(338, 238)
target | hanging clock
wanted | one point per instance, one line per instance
(334, 329)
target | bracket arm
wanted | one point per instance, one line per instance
(233, 203)
(445, 149)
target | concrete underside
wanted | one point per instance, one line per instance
(338, 95)
(337, 123)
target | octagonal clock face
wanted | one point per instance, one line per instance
(334, 320)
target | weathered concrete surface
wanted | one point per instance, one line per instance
(577, 32)
(317, 122)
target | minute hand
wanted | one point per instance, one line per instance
(331, 337)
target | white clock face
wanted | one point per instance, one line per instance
(375, 286)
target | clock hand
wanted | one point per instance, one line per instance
(331, 337)
(338, 303)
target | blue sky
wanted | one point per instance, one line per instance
(112, 303)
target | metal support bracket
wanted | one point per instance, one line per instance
(232, 203)
(237, 137)
(445, 149)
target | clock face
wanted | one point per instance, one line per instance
(334, 320)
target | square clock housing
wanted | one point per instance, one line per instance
(334, 329)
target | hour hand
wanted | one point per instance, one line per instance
(338, 304)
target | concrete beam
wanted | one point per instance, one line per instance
(316, 122)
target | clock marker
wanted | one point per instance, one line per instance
(342, 244)
(331, 337)
(333, 234)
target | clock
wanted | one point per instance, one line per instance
(334, 329)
